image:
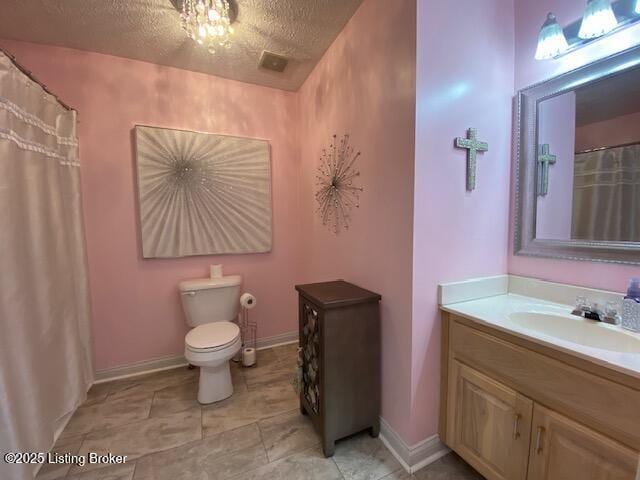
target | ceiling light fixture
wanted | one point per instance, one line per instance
(598, 19)
(207, 22)
(551, 40)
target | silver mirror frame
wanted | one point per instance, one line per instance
(526, 141)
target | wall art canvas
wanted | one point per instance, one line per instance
(202, 194)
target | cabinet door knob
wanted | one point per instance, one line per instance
(516, 426)
(539, 434)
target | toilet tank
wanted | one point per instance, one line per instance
(207, 300)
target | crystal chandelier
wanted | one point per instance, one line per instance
(207, 22)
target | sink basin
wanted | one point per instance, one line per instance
(578, 330)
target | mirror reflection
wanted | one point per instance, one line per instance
(588, 163)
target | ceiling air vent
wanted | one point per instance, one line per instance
(273, 61)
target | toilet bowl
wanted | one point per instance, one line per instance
(210, 347)
(211, 307)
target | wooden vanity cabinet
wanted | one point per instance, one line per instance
(564, 449)
(490, 424)
(515, 411)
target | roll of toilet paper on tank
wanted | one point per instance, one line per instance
(215, 271)
(247, 301)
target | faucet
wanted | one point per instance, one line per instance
(592, 311)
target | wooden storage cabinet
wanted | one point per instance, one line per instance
(514, 413)
(339, 332)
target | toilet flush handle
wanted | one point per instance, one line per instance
(191, 293)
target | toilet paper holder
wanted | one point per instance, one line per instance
(248, 330)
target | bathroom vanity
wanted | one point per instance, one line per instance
(528, 392)
(340, 343)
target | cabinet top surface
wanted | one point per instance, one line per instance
(551, 325)
(336, 294)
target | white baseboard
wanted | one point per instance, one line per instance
(139, 368)
(175, 361)
(412, 457)
(277, 340)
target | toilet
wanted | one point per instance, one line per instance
(211, 307)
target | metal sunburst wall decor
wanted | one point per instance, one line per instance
(337, 195)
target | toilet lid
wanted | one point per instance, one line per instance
(212, 335)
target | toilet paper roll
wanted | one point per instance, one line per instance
(247, 301)
(248, 356)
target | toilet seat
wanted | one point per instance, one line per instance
(212, 337)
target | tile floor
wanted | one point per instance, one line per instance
(258, 433)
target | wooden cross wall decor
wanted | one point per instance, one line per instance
(545, 159)
(473, 145)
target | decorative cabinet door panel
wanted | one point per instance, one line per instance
(563, 449)
(489, 423)
(310, 343)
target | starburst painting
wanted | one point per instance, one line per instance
(202, 194)
(337, 195)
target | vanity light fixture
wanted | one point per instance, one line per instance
(601, 19)
(551, 40)
(598, 19)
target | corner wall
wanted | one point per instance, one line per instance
(464, 79)
(365, 86)
(136, 310)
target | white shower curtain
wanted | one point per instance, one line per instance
(606, 195)
(45, 342)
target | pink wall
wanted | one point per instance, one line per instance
(365, 86)
(616, 131)
(136, 309)
(457, 234)
(528, 19)
(556, 127)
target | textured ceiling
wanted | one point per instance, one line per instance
(150, 30)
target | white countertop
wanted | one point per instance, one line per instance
(494, 311)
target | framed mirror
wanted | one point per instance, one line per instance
(578, 164)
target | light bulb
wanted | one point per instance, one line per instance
(598, 19)
(551, 40)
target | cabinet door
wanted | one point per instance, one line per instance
(564, 449)
(488, 424)
(310, 344)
